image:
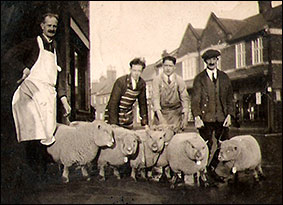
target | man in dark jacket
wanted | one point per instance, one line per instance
(126, 90)
(212, 103)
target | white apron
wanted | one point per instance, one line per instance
(34, 101)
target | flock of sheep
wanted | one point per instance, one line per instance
(182, 153)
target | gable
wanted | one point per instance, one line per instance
(213, 34)
(189, 42)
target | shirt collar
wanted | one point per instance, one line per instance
(47, 39)
(210, 72)
(172, 77)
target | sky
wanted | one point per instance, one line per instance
(123, 30)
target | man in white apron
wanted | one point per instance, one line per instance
(34, 101)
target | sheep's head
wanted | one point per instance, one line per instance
(104, 135)
(129, 143)
(196, 150)
(155, 140)
(228, 151)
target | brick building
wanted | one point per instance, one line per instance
(251, 54)
(20, 20)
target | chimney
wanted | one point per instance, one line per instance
(164, 53)
(264, 7)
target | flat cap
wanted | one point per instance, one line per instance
(210, 54)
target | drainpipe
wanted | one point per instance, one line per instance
(270, 123)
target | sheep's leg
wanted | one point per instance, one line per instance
(133, 173)
(101, 172)
(159, 171)
(167, 172)
(149, 173)
(143, 175)
(65, 175)
(189, 179)
(173, 181)
(259, 171)
(203, 177)
(198, 176)
(85, 173)
(116, 172)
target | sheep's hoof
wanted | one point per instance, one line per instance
(154, 179)
(134, 179)
(101, 178)
(172, 186)
(88, 179)
(65, 180)
(206, 184)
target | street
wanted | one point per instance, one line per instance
(126, 191)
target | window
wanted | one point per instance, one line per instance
(240, 55)
(189, 68)
(148, 90)
(257, 51)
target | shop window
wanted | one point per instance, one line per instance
(254, 110)
(189, 67)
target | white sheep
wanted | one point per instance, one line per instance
(126, 142)
(162, 162)
(79, 144)
(240, 153)
(187, 153)
(152, 144)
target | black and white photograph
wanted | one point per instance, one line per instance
(141, 102)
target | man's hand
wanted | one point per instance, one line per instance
(228, 121)
(66, 106)
(185, 121)
(146, 127)
(26, 73)
(198, 122)
(162, 120)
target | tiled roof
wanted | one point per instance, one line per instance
(189, 41)
(257, 23)
(101, 87)
(149, 72)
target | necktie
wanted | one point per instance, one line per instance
(213, 78)
(169, 81)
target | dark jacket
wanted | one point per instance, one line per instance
(119, 88)
(24, 55)
(200, 99)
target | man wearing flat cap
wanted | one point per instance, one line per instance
(126, 90)
(212, 103)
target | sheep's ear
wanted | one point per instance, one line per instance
(137, 137)
(220, 142)
(147, 132)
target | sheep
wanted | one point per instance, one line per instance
(162, 162)
(126, 142)
(187, 153)
(240, 153)
(79, 144)
(152, 143)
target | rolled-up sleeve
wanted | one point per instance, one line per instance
(113, 105)
(184, 96)
(196, 111)
(143, 106)
(156, 94)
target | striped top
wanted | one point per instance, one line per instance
(120, 106)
